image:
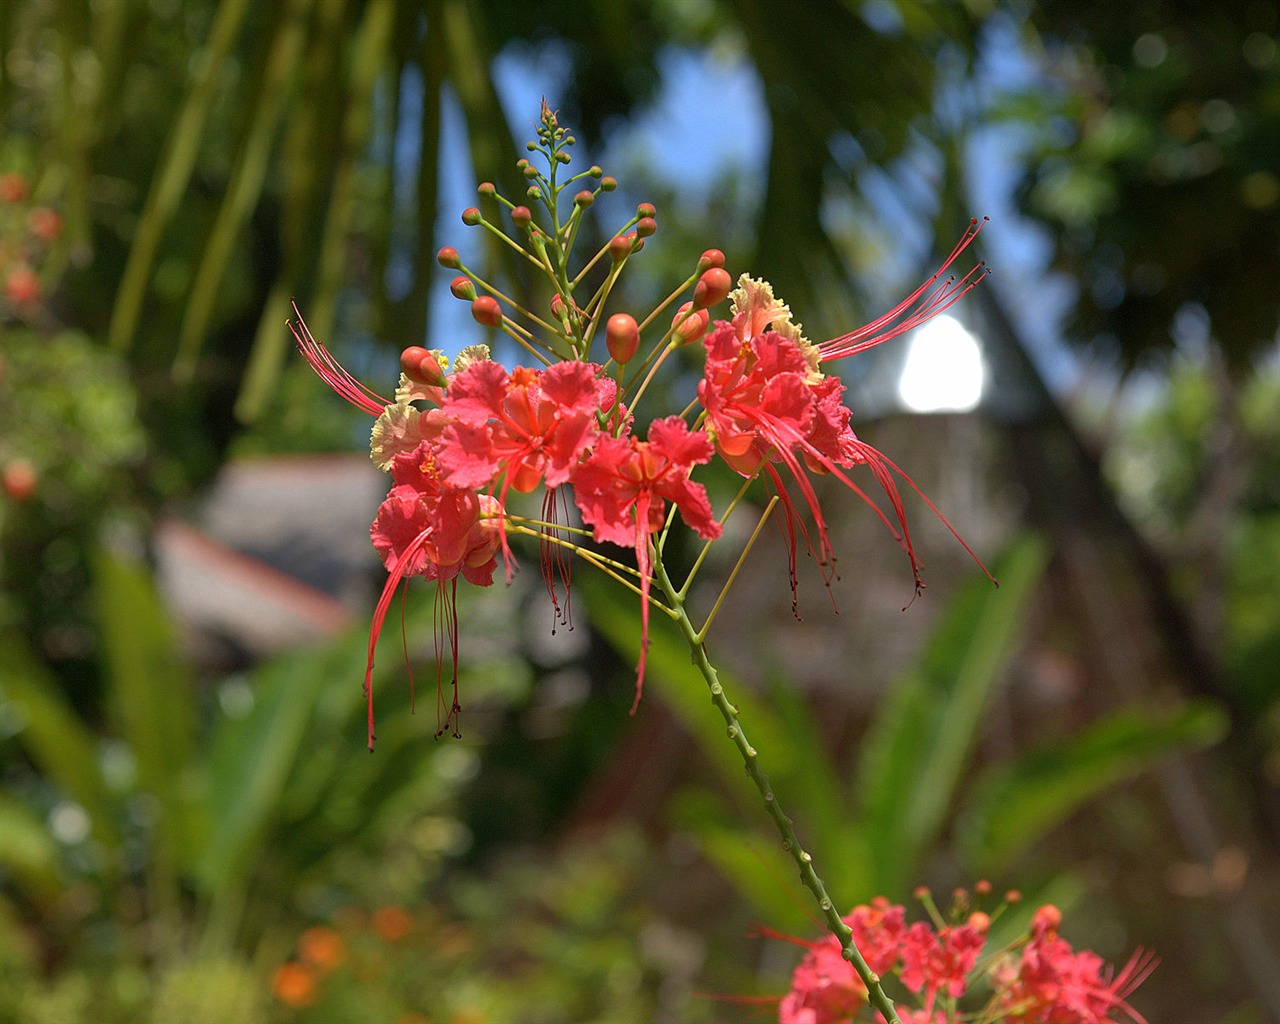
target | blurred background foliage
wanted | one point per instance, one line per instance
(181, 841)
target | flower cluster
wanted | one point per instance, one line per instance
(27, 230)
(461, 440)
(945, 965)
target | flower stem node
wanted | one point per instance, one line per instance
(421, 366)
(646, 226)
(448, 258)
(622, 336)
(712, 288)
(486, 311)
(462, 288)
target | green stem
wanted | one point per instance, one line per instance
(876, 995)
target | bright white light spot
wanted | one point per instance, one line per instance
(944, 371)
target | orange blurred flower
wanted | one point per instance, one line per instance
(294, 984)
(391, 923)
(322, 947)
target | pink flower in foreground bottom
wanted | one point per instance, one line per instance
(824, 988)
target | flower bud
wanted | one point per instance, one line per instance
(562, 156)
(622, 336)
(521, 217)
(531, 146)
(534, 192)
(530, 171)
(487, 188)
(13, 187)
(19, 480)
(711, 258)
(980, 922)
(471, 216)
(637, 243)
(646, 226)
(692, 327)
(595, 171)
(608, 183)
(486, 311)
(646, 210)
(420, 365)
(448, 257)
(1047, 919)
(521, 164)
(45, 223)
(22, 286)
(712, 287)
(462, 288)
(619, 248)
(584, 199)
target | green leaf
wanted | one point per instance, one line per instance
(151, 699)
(920, 743)
(59, 742)
(27, 851)
(1015, 804)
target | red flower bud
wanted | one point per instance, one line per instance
(45, 224)
(595, 171)
(22, 286)
(711, 258)
(619, 248)
(646, 210)
(471, 216)
(19, 480)
(980, 922)
(462, 288)
(712, 287)
(584, 198)
(13, 187)
(420, 365)
(634, 240)
(486, 311)
(622, 336)
(608, 183)
(692, 327)
(646, 226)
(448, 257)
(521, 216)
(487, 188)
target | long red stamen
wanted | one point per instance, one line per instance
(329, 370)
(923, 304)
(397, 573)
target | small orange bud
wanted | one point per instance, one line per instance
(1013, 896)
(584, 198)
(1047, 919)
(45, 224)
(980, 922)
(420, 365)
(487, 188)
(692, 327)
(22, 286)
(646, 210)
(521, 217)
(712, 287)
(486, 311)
(471, 216)
(448, 257)
(711, 258)
(13, 187)
(462, 288)
(622, 336)
(619, 248)
(637, 243)
(20, 480)
(608, 183)
(391, 923)
(294, 985)
(982, 887)
(646, 226)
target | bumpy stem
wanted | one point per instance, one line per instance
(786, 828)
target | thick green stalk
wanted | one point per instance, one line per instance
(751, 761)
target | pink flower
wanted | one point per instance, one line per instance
(1054, 984)
(427, 528)
(519, 430)
(878, 930)
(768, 402)
(622, 489)
(825, 989)
(939, 961)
